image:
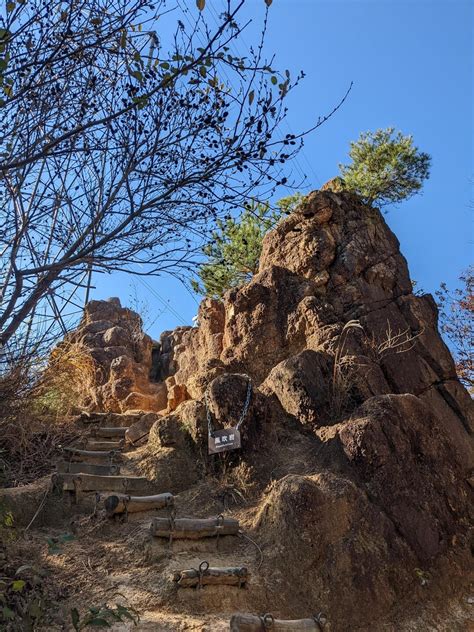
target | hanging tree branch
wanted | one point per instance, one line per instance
(116, 150)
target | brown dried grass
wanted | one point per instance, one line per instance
(37, 408)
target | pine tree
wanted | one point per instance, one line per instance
(233, 254)
(386, 167)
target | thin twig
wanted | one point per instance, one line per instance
(41, 505)
(243, 535)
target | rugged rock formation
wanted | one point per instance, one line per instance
(332, 261)
(122, 353)
(358, 433)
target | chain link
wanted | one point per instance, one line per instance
(246, 405)
(245, 410)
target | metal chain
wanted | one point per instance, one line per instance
(246, 405)
(244, 411)
(208, 414)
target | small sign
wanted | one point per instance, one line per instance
(224, 440)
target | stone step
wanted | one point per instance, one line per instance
(103, 469)
(110, 432)
(96, 483)
(141, 429)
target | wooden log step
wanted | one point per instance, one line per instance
(206, 575)
(113, 455)
(93, 483)
(104, 469)
(193, 528)
(111, 419)
(119, 503)
(94, 446)
(253, 623)
(110, 432)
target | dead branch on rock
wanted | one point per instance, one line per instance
(393, 342)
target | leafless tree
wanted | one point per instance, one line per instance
(118, 150)
(456, 315)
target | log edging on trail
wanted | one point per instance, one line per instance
(111, 454)
(93, 445)
(124, 503)
(104, 469)
(91, 482)
(267, 622)
(210, 576)
(107, 433)
(193, 528)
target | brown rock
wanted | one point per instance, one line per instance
(141, 428)
(302, 385)
(177, 394)
(323, 531)
(410, 469)
(123, 354)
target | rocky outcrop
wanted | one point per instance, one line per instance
(358, 434)
(332, 261)
(122, 353)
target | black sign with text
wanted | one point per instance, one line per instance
(224, 440)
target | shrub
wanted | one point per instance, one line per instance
(37, 401)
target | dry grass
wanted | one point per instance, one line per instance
(36, 410)
(235, 484)
(65, 384)
(348, 369)
(392, 343)
(344, 373)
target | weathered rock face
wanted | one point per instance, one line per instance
(114, 338)
(332, 261)
(358, 430)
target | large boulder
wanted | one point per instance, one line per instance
(302, 385)
(411, 469)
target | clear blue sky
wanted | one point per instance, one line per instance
(411, 62)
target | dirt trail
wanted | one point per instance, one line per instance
(117, 561)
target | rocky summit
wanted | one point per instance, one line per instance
(356, 435)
